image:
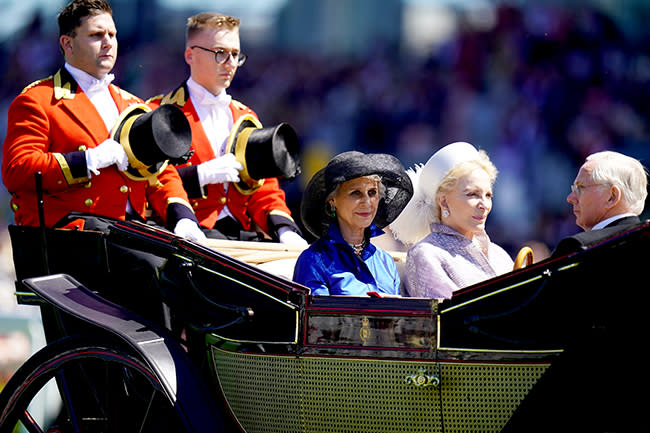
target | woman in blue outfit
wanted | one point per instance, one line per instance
(344, 205)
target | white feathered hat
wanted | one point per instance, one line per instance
(413, 223)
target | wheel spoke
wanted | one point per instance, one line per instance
(29, 423)
(101, 388)
(148, 411)
(67, 401)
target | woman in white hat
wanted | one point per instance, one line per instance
(444, 224)
(344, 205)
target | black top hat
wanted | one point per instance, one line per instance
(151, 138)
(264, 152)
(351, 165)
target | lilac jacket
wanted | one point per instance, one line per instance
(446, 261)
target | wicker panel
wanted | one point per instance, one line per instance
(482, 397)
(351, 395)
(262, 391)
(326, 395)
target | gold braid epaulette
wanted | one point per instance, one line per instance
(177, 97)
(239, 105)
(153, 99)
(36, 83)
(125, 94)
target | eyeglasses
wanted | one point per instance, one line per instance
(578, 189)
(222, 56)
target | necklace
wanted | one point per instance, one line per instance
(358, 248)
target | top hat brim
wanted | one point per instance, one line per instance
(348, 166)
(172, 129)
(136, 170)
(270, 152)
(239, 134)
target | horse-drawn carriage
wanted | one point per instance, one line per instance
(216, 344)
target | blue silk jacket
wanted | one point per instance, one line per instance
(330, 267)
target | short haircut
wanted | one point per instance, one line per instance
(209, 20)
(627, 173)
(71, 15)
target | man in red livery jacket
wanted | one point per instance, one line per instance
(60, 126)
(213, 53)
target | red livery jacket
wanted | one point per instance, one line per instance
(264, 210)
(50, 125)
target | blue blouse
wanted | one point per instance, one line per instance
(330, 267)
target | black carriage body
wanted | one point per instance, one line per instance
(555, 337)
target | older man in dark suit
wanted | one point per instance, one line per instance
(593, 385)
(608, 195)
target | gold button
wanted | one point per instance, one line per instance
(88, 202)
(195, 204)
(14, 206)
(88, 185)
(124, 189)
(59, 182)
(222, 200)
(82, 147)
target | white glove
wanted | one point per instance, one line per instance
(109, 152)
(288, 236)
(219, 170)
(186, 228)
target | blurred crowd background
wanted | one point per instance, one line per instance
(538, 84)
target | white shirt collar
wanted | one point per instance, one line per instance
(202, 96)
(86, 81)
(604, 223)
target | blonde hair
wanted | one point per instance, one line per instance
(209, 20)
(452, 177)
(440, 174)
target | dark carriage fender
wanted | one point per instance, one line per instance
(165, 357)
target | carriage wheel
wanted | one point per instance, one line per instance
(101, 388)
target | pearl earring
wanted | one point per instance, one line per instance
(445, 213)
